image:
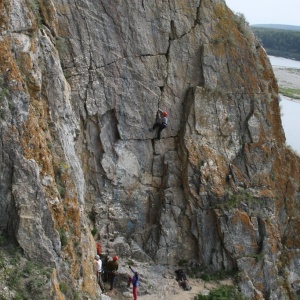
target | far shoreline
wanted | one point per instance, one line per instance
(289, 99)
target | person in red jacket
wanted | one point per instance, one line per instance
(98, 248)
(161, 123)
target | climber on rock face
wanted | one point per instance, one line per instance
(161, 123)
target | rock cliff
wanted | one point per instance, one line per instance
(80, 86)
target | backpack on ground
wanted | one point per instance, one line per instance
(182, 280)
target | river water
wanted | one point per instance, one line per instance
(290, 110)
(284, 62)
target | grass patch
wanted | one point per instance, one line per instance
(16, 253)
(94, 231)
(234, 200)
(130, 262)
(92, 216)
(224, 292)
(258, 256)
(62, 47)
(35, 7)
(60, 172)
(61, 190)
(63, 237)
(29, 267)
(68, 291)
(13, 278)
(293, 150)
(221, 275)
(4, 92)
(26, 279)
(182, 262)
(291, 93)
(37, 285)
(63, 287)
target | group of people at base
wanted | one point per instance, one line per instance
(108, 274)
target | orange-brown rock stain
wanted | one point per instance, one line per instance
(230, 42)
(8, 65)
(49, 14)
(57, 294)
(213, 174)
(39, 145)
(3, 14)
(36, 138)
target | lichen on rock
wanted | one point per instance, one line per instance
(80, 86)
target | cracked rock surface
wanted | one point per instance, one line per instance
(81, 83)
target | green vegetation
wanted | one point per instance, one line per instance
(293, 150)
(61, 190)
(242, 24)
(4, 92)
(230, 28)
(279, 42)
(63, 287)
(25, 279)
(36, 285)
(130, 263)
(234, 200)
(63, 237)
(291, 93)
(62, 47)
(182, 262)
(62, 169)
(258, 256)
(35, 7)
(92, 216)
(217, 276)
(94, 231)
(68, 291)
(224, 292)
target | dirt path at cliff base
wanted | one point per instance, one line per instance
(158, 283)
(170, 290)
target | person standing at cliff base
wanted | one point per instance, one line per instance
(112, 268)
(98, 268)
(161, 123)
(135, 280)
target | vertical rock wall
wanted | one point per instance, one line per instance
(81, 83)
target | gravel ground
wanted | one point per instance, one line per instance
(287, 77)
(159, 283)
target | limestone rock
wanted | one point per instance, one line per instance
(80, 86)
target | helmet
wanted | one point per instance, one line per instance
(115, 258)
(97, 257)
(165, 113)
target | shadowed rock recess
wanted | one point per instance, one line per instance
(80, 86)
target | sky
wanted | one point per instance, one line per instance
(267, 11)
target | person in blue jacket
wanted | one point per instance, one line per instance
(135, 280)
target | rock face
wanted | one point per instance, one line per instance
(80, 86)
